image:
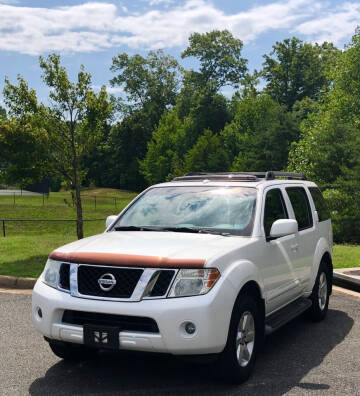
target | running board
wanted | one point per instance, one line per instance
(284, 315)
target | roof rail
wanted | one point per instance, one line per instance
(240, 176)
(271, 175)
(220, 176)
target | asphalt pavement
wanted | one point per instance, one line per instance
(302, 358)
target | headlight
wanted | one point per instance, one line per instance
(51, 273)
(193, 282)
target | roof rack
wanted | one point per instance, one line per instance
(240, 176)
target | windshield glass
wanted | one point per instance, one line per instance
(227, 209)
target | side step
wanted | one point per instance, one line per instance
(284, 315)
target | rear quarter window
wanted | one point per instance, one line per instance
(320, 204)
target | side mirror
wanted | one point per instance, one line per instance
(110, 220)
(283, 227)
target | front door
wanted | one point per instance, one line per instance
(279, 275)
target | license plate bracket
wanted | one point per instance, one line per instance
(101, 336)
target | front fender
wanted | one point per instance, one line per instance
(241, 272)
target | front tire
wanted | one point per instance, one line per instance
(320, 294)
(237, 360)
(71, 352)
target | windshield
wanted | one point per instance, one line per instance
(225, 209)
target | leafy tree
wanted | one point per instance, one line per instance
(23, 152)
(2, 112)
(179, 130)
(127, 146)
(208, 154)
(260, 135)
(295, 70)
(219, 54)
(329, 149)
(150, 83)
(330, 141)
(71, 123)
(166, 149)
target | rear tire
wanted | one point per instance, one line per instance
(71, 352)
(320, 294)
(236, 362)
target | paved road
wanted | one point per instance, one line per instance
(301, 359)
(18, 192)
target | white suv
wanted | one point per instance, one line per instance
(206, 264)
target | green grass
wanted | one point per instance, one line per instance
(346, 256)
(25, 249)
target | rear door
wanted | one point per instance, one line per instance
(307, 237)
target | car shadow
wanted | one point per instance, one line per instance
(288, 355)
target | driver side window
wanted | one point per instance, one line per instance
(275, 209)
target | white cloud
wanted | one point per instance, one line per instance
(96, 26)
(157, 2)
(332, 25)
(110, 90)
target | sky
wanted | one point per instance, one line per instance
(92, 32)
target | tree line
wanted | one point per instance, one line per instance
(300, 112)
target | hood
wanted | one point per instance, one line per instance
(166, 247)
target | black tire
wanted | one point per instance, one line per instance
(320, 300)
(72, 352)
(228, 365)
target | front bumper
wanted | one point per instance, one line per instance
(210, 313)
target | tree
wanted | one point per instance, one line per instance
(151, 83)
(330, 141)
(196, 111)
(295, 70)
(2, 112)
(208, 154)
(71, 123)
(23, 152)
(219, 54)
(260, 135)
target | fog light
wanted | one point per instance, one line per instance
(190, 328)
(39, 312)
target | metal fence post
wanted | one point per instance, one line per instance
(3, 227)
(95, 202)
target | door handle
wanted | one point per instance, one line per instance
(294, 247)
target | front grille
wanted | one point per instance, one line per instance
(162, 284)
(64, 281)
(125, 323)
(126, 281)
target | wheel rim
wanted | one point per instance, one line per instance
(322, 292)
(245, 339)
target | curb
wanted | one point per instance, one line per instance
(348, 278)
(13, 282)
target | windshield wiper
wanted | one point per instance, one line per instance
(173, 229)
(212, 231)
(197, 230)
(136, 228)
(181, 229)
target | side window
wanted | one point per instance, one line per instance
(320, 204)
(275, 209)
(301, 206)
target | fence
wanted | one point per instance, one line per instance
(15, 198)
(4, 221)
